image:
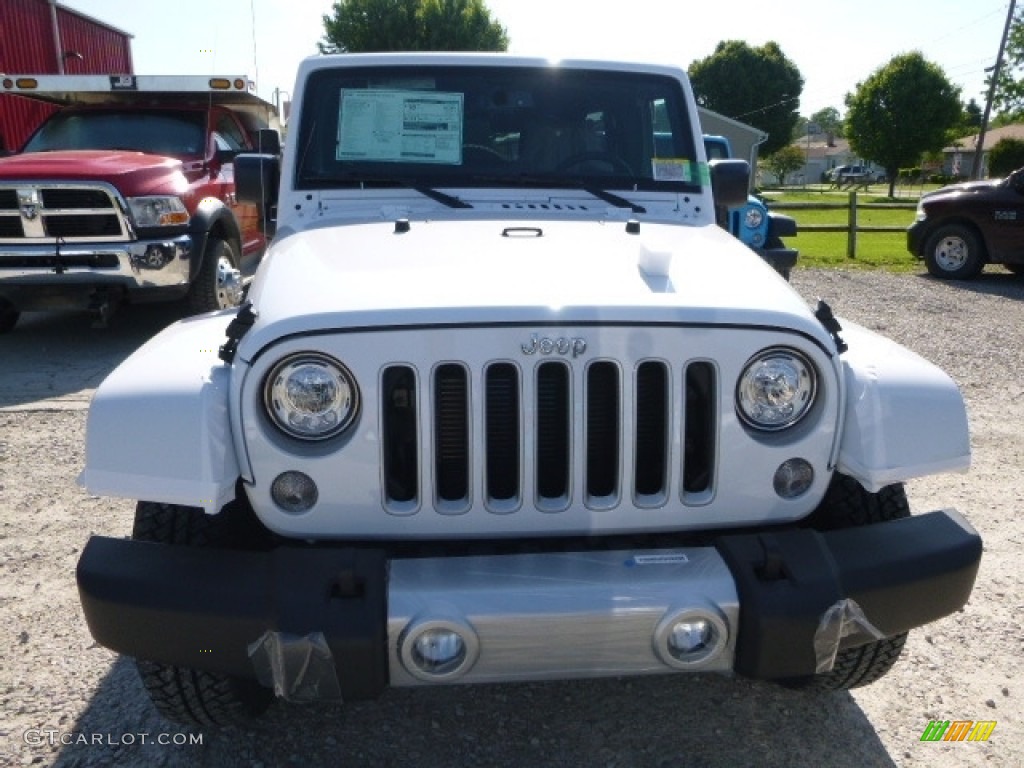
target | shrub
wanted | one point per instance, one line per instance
(1005, 157)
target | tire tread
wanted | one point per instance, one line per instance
(183, 694)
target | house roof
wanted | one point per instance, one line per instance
(992, 136)
(822, 148)
(756, 133)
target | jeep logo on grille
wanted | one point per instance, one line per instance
(562, 345)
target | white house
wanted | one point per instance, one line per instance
(958, 159)
(745, 139)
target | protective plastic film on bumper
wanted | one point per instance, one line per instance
(843, 620)
(300, 668)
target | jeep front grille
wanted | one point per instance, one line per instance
(630, 438)
(75, 213)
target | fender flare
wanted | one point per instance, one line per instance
(905, 417)
(159, 428)
(212, 216)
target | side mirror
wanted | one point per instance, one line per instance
(256, 181)
(730, 182)
(268, 142)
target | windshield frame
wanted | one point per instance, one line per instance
(619, 113)
(147, 121)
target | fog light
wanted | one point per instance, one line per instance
(690, 638)
(438, 650)
(793, 478)
(294, 492)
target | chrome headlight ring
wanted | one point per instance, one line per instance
(310, 396)
(776, 389)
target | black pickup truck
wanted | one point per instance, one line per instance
(961, 228)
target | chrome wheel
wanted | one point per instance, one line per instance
(951, 253)
(954, 252)
(229, 284)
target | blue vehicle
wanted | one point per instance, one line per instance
(753, 224)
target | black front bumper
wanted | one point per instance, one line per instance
(204, 608)
(916, 235)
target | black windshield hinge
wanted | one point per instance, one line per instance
(828, 320)
(237, 328)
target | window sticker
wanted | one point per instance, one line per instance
(671, 169)
(400, 126)
(705, 175)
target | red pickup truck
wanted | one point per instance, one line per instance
(127, 193)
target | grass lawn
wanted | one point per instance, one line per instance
(875, 250)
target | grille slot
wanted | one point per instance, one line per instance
(8, 200)
(75, 199)
(10, 226)
(554, 431)
(76, 260)
(652, 422)
(400, 441)
(502, 432)
(82, 225)
(451, 433)
(641, 437)
(699, 433)
(603, 421)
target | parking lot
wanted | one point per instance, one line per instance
(67, 701)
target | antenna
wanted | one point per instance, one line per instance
(255, 66)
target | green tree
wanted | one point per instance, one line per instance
(968, 125)
(784, 162)
(828, 120)
(902, 110)
(1005, 157)
(1009, 94)
(358, 26)
(758, 86)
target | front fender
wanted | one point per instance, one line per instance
(212, 214)
(158, 426)
(905, 417)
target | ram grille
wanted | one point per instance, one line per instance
(73, 213)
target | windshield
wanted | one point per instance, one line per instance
(158, 132)
(494, 126)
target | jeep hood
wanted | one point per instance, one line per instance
(130, 172)
(540, 271)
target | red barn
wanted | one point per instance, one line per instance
(45, 37)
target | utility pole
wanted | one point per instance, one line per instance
(979, 157)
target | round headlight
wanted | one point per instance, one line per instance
(776, 389)
(753, 218)
(311, 396)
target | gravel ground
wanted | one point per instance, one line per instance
(66, 701)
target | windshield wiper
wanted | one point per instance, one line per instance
(555, 181)
(445, 199)
(365, 181)
(612, 198)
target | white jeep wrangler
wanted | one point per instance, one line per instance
(505, 404)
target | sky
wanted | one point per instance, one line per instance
(834, 43)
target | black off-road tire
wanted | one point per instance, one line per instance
(848, 505)
(954, 252)
(209, 291)
(183, 694)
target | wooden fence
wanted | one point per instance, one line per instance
(852, 228)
